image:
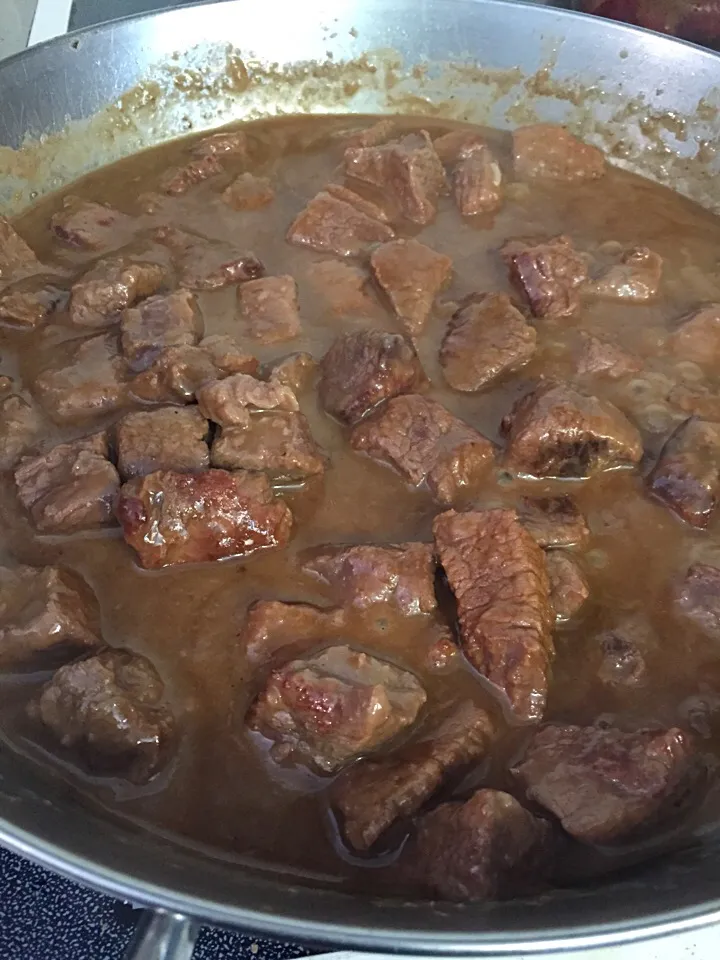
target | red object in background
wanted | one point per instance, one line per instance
(696, 20)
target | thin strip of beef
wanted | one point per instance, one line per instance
(697, 597)
(331, 224)
(273, 627)
(179, 180)
(553, 521)
(279, 443)
(208, 265)
(687, 474)
(547, 151)
(569, 588)
(109, 287)
(550, 273)
(411, 275)
(498, 576)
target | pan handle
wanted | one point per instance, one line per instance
(163, 936)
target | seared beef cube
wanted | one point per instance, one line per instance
(477, 180)
(623, 652)
(411, 275)
(331, 224)
(331, 707)
(179, 372)
(547, 151)
(553, 521)
(47, 616)
(269, 310)
(549, 273)
(272, 626)
(17, 260)
(91, 226)
(227, 355)
(109, 708)
(487, 848)
(230, 144)
(600, 357)
(170, 517)
(20, 427)
(499, 577)
(363, 575)
(172, 320)
(92, 382)
(636, 279)
(179, 180)
(362, 369)
(229, 401)
(379, 132)
(485, 339)
(373, 794)
(172, 438)
(73, 487)
(342, 286)
(295, 371)
(557, 432)
(698, 337)
(111, 286)
(687, 474)
(698, 598)
(30, 302)
(568, 587)
(408, 170)
(603, 784)
(279, 443)
(425, 443)
(204, 264)
(248, 192)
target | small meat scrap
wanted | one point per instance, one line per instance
(411, 276)
(296, 371)
(499, 578)
(553, 521)
(363, 575)
(605, 785)
(488, 848)
(548, 152)
(687, 474)
(636, 279)
(697, 338)
(268, 309)
(623, 651)
(73, 487)
(601, 358)
(698, 598)
(109, 287)
(17, 259)
(279, 443)
(169, 517)
(330, 224)
(227, 355)
(208, 265)
(378, 133)
(373, 794)
(408, 171)
(47, 616)
(21, 426)
(448, 146)
(229, 401)
(249, 192)
(230, 144)
(272, 627)
(109, 709)
(443, 652)
(486, 338)
(568, 585)
(331, 707)
(179, 180)
(477, 180)
(549, 273)
(362, 369)
(91, 226)
(171, 438)
(170, 320)
(30, 302)
(557, 432)
(362, 204)
(425, 443)
(342, 286)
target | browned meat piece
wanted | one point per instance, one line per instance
(449, 145)
(603, 784)
(698, 336)
(295, 371)
(411, 275)
(30, 302)
(698, 597)
(553, 521)
(547, 151)
(21, 426)
(623, 654)
(230, 144)
(366, 574)
(229, 401)
(549, 273)
(109, 708)
(342, 286)
(170, 517)
(373, 794)
(635, 279)
(408, 170)
(179, 180)
(379, 132)
(208, 264)
(485, 339)
(47, 616)
(557, 432)
(329, 708)
(17, 260)
(91, 226)
(279, 443)
(425, 443)
(172, 438)
(330, 224)
(687, 474)
(269, 310)
(487, 848)
(477, 180)
(91, 382)
(111, 286)
(73, 487)
(179, 372)
(600, 357)
(272, 626)
(227, 355)
(362, 369)
(568, 587)
(173, 320)
(498, 575)
(248, 192)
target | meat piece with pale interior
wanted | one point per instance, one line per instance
(426, 444)
(109, 287)
(268, 309)
(697, 338)
(687, 474)
(411, 275)
(31, 301)
(697, 598)
(554, 431)
(230, 401)
(374, 794)
(550, 273)
(17, 259)
(171, 320)
(601, 358)
(569, 588)
(635, 279)
(208, 265)
(273, 628)
(21, 427)
(171, 438)
(333, 224)
(334, 706)
(249, 192)
(178, 180)
(499, 578)
(279, 443)
(169, 517)
(342, 287)
(91, 226)
(477, 180)
(486, 338)
(546, 151)
(72, 487)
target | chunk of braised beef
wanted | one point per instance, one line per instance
(331, 224)
(178, 373)
(21, 427)
(477, 180)
(30, 302)
(636, 279)
(208, 265)
(91, 226)
(268, 309)
(698, 597)
(170, 438)
(17, 259)
(697, 338)
(549, 273)
(553, 521)
(601, 358)
(249, 192)
(227, 354)
(547, 151)
(342, 286)
(569, 588)
(273, 627)
(296, 371)
(229, 144)
(229, 401)
(171, 320)
(411, 275)
(278, 443)
(373, 135)
(687, 474)
(109, 287)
